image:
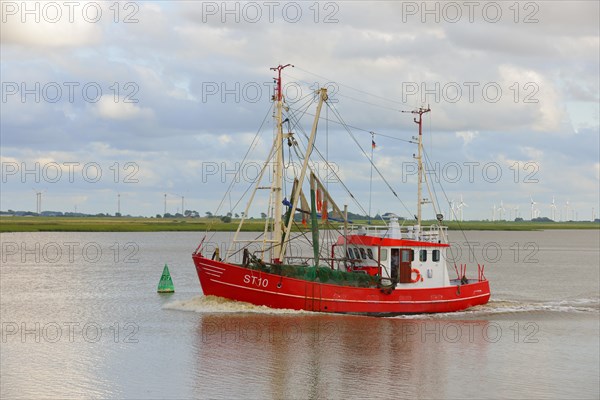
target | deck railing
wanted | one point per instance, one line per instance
(431, 233)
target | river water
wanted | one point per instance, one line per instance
(81, 318)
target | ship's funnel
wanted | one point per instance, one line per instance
(394, 228)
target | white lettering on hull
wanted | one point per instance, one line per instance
(256, 281)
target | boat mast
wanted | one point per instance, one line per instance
(419, 158)
(277, 186)
(309, 148)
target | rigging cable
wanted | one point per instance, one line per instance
(242, 164)
(333, 170)
(371, 178)
(316, 149)
(227, 193)
(363, 129)
(350, 87)
(471, 248)
(367, 157)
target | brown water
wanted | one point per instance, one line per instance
(81, 318)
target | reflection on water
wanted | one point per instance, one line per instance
(321, 356)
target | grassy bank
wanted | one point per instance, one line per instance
(67, 224)
(64, 224)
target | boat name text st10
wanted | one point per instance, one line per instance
(256, 281)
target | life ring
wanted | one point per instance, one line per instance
(418, 277)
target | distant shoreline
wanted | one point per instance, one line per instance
(124, 224)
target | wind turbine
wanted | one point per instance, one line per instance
(38, 201)
(450, 209)
(516, 211)
(553, 209)
(494, 212)
(533, 203)
(182, 200)
(567, 210)
(501, 211)
(460, 207)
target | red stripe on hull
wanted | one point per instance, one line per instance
(275, 291)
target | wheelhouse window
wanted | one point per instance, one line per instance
(423, 255)
(356, 254)
(363, 253)
(383, 254)
(370, 253)
(350, 253)
(435, 255)
(406, 256)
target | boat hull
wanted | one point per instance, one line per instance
(265, 289)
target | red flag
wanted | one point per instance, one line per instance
(319, 203)
(373, 144)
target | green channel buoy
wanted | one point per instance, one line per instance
(166, 283)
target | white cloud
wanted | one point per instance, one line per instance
(107, 107)
(467, 136)
(50, 24)
(530, 88)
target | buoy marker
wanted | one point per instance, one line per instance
(166, 283)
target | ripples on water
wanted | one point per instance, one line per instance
(537, 338)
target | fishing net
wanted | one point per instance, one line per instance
(322, 274)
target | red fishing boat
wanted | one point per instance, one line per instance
(375, 270)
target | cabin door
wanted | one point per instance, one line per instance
(395, 264)
(406, 257)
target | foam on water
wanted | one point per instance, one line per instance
(570, 305)
(587, 305)
(220, 305)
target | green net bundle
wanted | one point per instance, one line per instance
(318, 274)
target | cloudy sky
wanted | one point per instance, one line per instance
(147, 98)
